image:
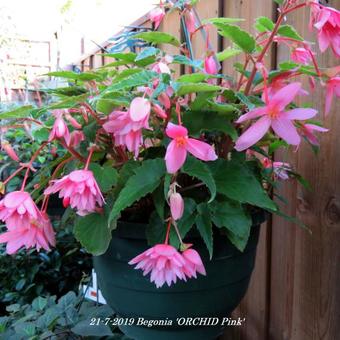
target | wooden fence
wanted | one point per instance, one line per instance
(295, 290)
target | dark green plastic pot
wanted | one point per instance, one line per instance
(131, 295)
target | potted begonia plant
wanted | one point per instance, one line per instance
(170, 176)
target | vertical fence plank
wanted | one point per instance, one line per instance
(206, 9)
(305, 299)
(171, 24)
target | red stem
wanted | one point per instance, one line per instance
(72, 151)
(13, 175)
(168, 231)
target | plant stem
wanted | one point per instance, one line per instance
(29, 165)
(72, 151)
(168, 231)
(13, 175)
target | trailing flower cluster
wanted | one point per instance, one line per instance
(141, 134)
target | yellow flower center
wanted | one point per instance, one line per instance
(181, 141)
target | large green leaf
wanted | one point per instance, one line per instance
(196, 168)
(186, 88)
(201, 121)
(158, 38)
(93, 233)
(106, 176)
(289, 32)
(231, 215)
(184, 60)
(84, 76)
(20, 112)
(145, 180)
(204, 226)
(138, 79)
(238, 36)
(236, 181)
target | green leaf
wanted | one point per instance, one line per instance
(264, 24)
(20, 112)
(183, 60)
(159, 200)
(245, 100)
(39, 303)
(106, 176)
(202, 121)
(228, 53)
(238, 36)
(204, 226)
(236, 181)
(156, 230)
(186, 88)
(41, 135)
(222, 21)
(128, 57)
(147, 52)
(231, 215)
(145, 180)
(138, 79)
(84, 76)
(158, 38)
(193, 78)
(196, 168)
(289, 32)
(279, 2)
(93, 233)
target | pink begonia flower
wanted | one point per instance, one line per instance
(80, 190)
(210, 66)
(332, 87)
(307, 130)
(125, 130)
(190, 21)
(164, 262)
(60, 129)
(327, 22)
(76, 138)
(7, 147)
(301, 55)
(274, 115)
(280, 169)
(181, 144)
(26, 225)
(176, 205)
(193, 263)
(156, 16)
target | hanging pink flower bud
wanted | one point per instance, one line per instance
(190, 21)
(193, 263)
(164, 100)
(73, 121)
(159, 111)
(60, 129)
(76, 138)
(210, 66)
(9, 150)
(176, 206)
